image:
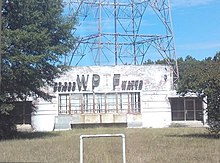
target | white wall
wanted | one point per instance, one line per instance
(43, 117)
(154, 82)
(156, 109)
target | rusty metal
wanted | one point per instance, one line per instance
(112, 32)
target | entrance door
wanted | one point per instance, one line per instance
(189, 109)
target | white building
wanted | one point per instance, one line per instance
(132, 96)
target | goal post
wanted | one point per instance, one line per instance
(102, 135)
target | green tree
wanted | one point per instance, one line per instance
(203, 78)
(148, 62)
(35, 36)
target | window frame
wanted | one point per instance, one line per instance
(100, 103)
(179, 106)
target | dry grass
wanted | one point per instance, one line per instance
(169, 145)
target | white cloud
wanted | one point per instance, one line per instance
(189, 3)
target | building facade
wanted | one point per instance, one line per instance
(137, 96)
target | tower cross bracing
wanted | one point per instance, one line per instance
(112, 32)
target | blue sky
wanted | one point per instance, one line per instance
(196, 25)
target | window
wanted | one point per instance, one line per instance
(64, 104)
(186, 109)
(22, 112)
(119, 102)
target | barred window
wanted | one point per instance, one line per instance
(119, 102)
(186, 109)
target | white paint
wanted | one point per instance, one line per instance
(43, 119)
(156, 119)
(43, 122)
(155, 106)
(152, 76)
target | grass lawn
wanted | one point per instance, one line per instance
(167, 145)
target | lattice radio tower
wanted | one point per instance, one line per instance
(112, 32)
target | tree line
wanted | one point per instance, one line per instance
(35, 36)
(201, 77)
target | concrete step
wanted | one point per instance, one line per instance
(62, 122)
(97, 125)
(187, 124)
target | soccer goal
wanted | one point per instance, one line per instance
(99, 136)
